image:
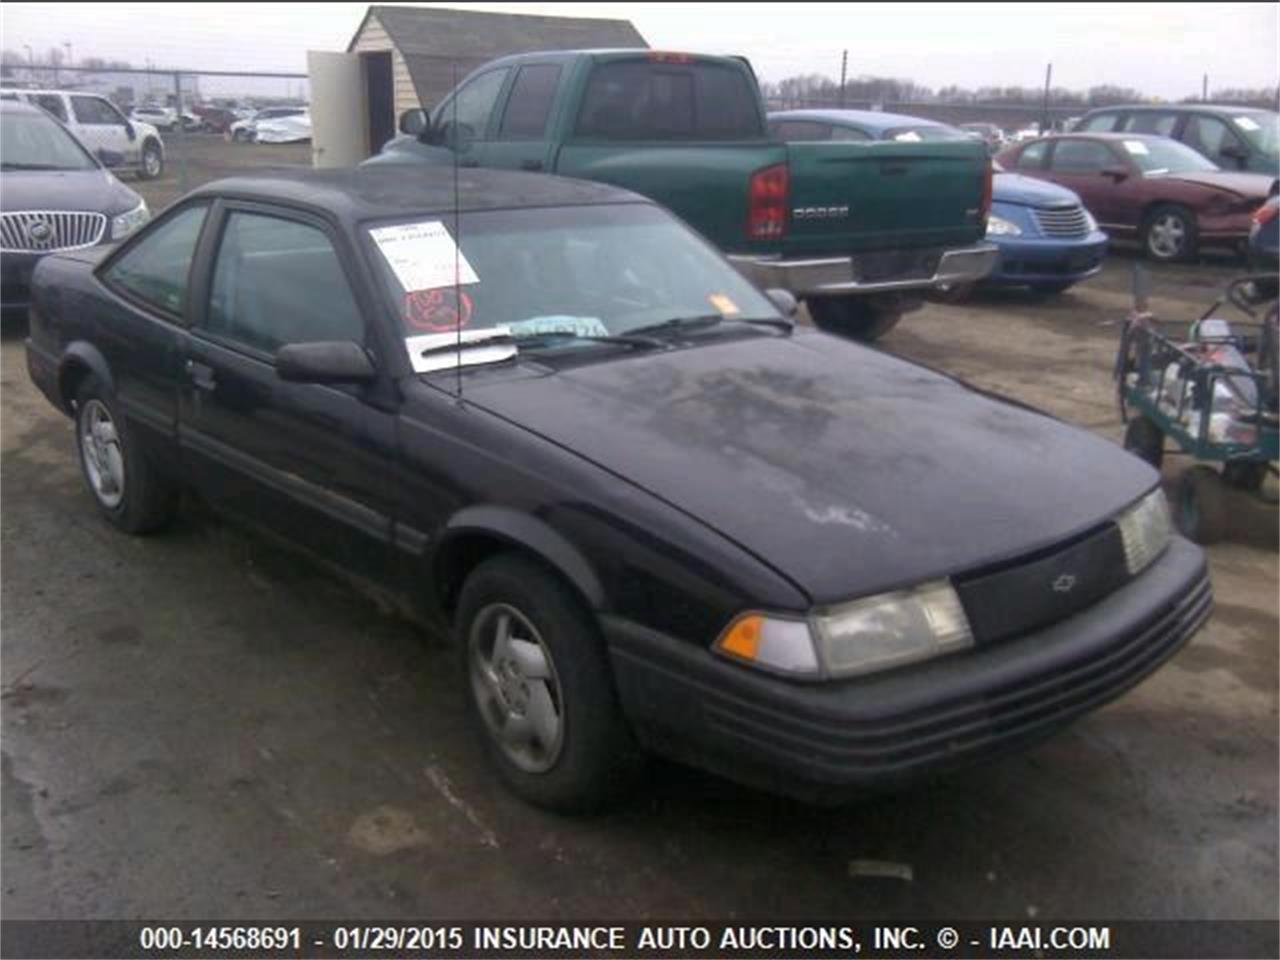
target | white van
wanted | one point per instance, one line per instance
(100, 125)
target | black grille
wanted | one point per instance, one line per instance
(1062, 221)
(897, 264)
(1035, 591)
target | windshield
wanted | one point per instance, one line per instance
(1158, 156)
(918, 134)
(553, 278)
(1261, 129)
(30, 141)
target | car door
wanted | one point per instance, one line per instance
(1079, 164)
(102, 127)
(309, 462)
(519, 140)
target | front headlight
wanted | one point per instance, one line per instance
(1145, 530)
(126, 223)
(1089, 222)
(1000, 227)
(863, 636)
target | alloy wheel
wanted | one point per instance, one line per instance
(103, 454)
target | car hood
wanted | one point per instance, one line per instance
(94, 190)
(1243, 184)
(1027, 191)
(846, 470)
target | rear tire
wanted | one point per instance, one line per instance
(127, 488)
(1144, 439)
(852, 317)
(1202, 509)
(1051, 289)
(1169, 233)
(539, 689)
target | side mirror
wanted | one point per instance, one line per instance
(787, 304)
(324, 361)
(109, 158)
(413, 122)
(1116, 173)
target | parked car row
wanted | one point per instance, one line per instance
(272, 125)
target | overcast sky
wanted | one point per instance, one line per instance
(1160, 49)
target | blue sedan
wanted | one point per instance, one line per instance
(1048, 241)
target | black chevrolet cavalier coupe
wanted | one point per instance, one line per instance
(654, 514)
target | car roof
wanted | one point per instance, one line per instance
(82, 93)
(384, 191)
(1183, 107)
(1107, 135)
(868, 119)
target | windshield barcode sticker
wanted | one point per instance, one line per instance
(423, 255)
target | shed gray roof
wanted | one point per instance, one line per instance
(442, 45)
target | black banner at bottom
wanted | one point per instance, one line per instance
(819, 940)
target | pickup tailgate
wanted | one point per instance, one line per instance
(705, 183)
(898, 195)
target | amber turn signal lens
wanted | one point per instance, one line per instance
(743, 638)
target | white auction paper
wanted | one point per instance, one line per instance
(423, 255)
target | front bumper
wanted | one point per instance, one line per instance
(15, 280)
(826, 742)
(1030, 261)
(846, 275)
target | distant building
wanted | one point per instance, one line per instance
(413, 55)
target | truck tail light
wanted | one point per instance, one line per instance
(767, 203)
(984, 209)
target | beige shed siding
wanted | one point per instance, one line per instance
(372, 38)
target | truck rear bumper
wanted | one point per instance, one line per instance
(848, 275)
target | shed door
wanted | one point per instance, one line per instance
(339, 124)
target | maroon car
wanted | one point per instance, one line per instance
(1152, 188)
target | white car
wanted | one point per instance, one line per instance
(100, 125)
(295, 128)
(245, 131)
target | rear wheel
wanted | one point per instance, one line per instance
(1202, 509)
(1169, 233)
(240, 136)
(1143, 438)
(1051, 289)
(852, 317)
(125, 485)
(539, 687)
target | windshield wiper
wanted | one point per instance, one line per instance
(695, 322)
(624, 339)
(497, 338)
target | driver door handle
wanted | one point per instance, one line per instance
(201, 375)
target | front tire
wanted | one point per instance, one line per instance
(1169, 233)
(152, 163)
(1143, 438)
(125, 485)
(852, 317)
(539, 689)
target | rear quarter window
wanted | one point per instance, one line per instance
(1102, 123)
(634, 100)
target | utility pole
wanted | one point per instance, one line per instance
(844, 72)
(1048, 78)
(1204, 89)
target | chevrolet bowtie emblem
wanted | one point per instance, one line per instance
(1064, 584)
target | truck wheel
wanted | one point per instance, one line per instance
(539, 688)
(852, 317)
(1169, 233)
(125, 485)
(152, 161)
(1202, 509)
(1143, 438)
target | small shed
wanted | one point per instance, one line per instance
(413, 55)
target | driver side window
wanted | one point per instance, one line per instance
(472, 106)
(95, 110)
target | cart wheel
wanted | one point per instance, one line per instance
(1202, 510)
(1245, 474)
(1144, 439)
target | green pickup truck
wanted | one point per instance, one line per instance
(859, 231)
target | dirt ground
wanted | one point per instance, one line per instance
(197, 725)
(193, 159)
